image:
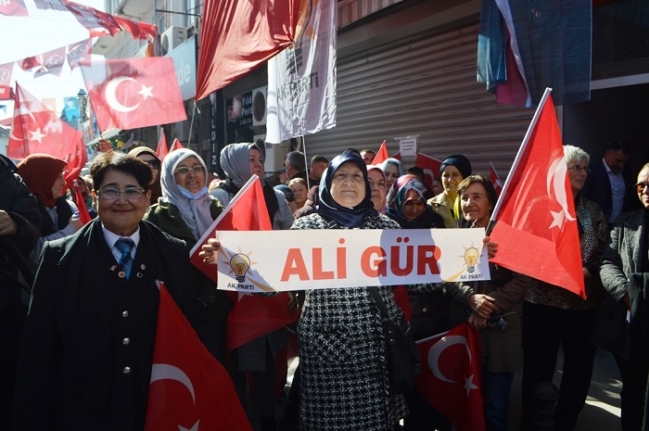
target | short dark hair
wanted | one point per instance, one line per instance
(619, 146)
(319, 159)
(486, 183)
(416, 171)
(296, 159)
(120, 162)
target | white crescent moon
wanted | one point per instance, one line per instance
(430, 174)
(169, 372)
(556, 181)
(23, 110)
(437, 349)
(111, 97)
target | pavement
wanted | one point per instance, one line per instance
(602, 409)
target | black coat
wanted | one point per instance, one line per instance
(597, 188)
(74, 353)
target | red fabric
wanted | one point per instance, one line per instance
(79, 52)
(131, 93)
(513, 91)
(451, 377)
(401, 298)
(382, 154)
(176, 145)
(536, 217)
(431, 167)
(162, 150)
(36, 129)
(84, 215)
(52, 63)
(13, 8)
(189, 388)
(238, 36)
(6, 70)
(97, 22)
(138, 30)
(495, 179)
(29, 63)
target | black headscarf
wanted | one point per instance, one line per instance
(329, 208)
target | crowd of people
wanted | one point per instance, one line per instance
(81, 359)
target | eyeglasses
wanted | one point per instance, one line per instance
(111, 194)
(641, 187)
(155, 164)
(183, 170)
(579, 168)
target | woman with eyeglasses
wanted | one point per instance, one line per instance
(257, 357)
(87, 350)
(555, 317)
(148, 156)
(186, 211)
(43, 175)
(624, 271)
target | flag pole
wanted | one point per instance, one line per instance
(521, 150)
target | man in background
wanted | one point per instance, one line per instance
(295, 165)
(318, 165)
(368, 156)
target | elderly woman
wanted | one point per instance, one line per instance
(555, 317)
(379, 187)
(185, 211)
(453, 170)
(43, 175)
(407, 205)
(300, 190)
(148, 156)
(87, 350)
(240, 162)
(497, 300)
(393, 169)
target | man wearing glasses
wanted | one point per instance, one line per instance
(625, 275)
(609, 182)
(87, 351)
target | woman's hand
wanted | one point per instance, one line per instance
(477, 322)
(482, 305)
(210, 250)
(492, 247)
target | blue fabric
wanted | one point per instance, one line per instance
(496, 388)
(125, 245)
(329, 208)
(492, 69)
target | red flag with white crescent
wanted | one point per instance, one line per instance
(451, 376)
(431, 167)
(536, 212)
(135, 92)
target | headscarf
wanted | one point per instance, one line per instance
(329, 208)
(156, 190)
(397, 196)
(234, 161)
(194, 207)
(378, 169)
(460, 162)
(39, 172)
(392, 160)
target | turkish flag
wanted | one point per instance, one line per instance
(189, 389)
(495, 179)
(382, 154)
(252, 315)
(451, 376)
(536, 213)
(136, 92)
(84, 215)
(28, 63)
(36, 129)
(175, 145)
(6, 70)
(431, 167)
(79, 52)
(238, 36)
(139, 30)
(162, 150)
(52, 63)
(13, 8)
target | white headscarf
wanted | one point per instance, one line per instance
(194, 207)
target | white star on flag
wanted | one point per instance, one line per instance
(468, 384)
(37, 135)
(146, 92)
(193, 428)
(557, 219)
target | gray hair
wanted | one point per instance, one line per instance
(575, 154)
(296, 159)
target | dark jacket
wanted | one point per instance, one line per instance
(597, 188)
(22, 207)
(71, 373)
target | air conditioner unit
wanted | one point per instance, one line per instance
(173, 37)
(259, 106)
(275, 156)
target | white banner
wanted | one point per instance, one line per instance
(265, 261)
(301, 95)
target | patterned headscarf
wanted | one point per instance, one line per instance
(397, 196)
(328, 207)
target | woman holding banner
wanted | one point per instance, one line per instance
(185, 211)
